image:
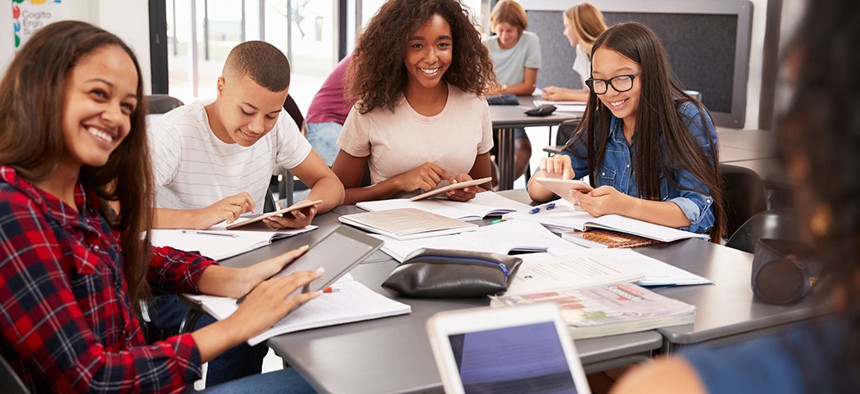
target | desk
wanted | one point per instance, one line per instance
(505, 119)
(393, 354)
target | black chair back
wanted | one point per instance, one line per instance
(161, 103)
(9, 380)
(775, 223)
(744, 194)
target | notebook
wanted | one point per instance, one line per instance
(484, 204)
(406, 223)
(521, 349)
(221, 244)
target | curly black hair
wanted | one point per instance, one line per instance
(377, 74)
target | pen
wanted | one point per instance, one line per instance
(209, 233)
(545, 207)
(497, 221)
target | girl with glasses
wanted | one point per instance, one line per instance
(648, 149)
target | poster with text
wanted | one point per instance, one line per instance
(30, 15)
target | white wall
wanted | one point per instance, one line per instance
(127, 19)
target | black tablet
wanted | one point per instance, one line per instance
(338, 252)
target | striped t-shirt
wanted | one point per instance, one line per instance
(194, 169)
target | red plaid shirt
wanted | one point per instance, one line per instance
(66, 324)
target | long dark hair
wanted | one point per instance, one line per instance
(820, 142)
(32, 106)
(377, 74)
(664, 144)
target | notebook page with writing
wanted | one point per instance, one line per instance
(657, 273)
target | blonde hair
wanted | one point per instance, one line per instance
(510, 12)
(588, 22)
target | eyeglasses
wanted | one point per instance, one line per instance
(620, 83)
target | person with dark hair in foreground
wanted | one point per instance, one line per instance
(820, 145)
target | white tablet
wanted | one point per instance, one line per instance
(452, 186)
(249, 220)
(561, 187)
(519, 349)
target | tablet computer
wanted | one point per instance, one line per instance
(255, 219)
(561, 187)
(338, 252)
(518, 349)
(452, 186)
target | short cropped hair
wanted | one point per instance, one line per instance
(262, 62)
(510, 12)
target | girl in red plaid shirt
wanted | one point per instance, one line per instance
(72, 154)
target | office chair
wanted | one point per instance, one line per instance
(288, 184)
(773, 223)
(9, 380)
(161, 103)
(744, 194)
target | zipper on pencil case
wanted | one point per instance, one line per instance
(479, 261)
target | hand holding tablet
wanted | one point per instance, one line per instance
(281, 212)
(453, 186)
(562, 187)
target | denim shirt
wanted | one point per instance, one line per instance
(686, 191)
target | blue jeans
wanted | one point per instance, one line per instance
(323, 138)
(240, 361)
(283, 381)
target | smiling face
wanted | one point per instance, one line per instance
(428, 53)
(508, 35)
(608, 64)
(570, 31)
(101, 95)
(246, 111)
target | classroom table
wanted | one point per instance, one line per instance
(393, 354)
(505, 119)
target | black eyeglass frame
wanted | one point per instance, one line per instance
(590, 82)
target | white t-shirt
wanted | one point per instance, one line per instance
(400, 141)
(582, 65)
(510, 64)
(194, 169)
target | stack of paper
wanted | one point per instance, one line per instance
(484, 204)
(350, 301)
(220, 244)
(406, 223)
(545, 273)
(657, 273)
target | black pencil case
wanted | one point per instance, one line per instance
(503, 99)
(441, 273)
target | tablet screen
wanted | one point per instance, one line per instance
(338, 252)
(521, 359)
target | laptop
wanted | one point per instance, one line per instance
(518, 349)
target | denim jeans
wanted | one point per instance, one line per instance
(283, 381)
(240, 361)
(323, 138)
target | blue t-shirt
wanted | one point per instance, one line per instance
(685, 190)
(804, 359)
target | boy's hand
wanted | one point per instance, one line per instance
(295, 219)
(229, 209)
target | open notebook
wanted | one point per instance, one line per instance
(484, 204)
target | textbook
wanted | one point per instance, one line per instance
(483, 205)
(406, 223)
(566, 217)
(221, 244)
(349, 301)
(609, 309)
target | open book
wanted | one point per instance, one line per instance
(349, 301)
(484, 204)
(565, 217)
(609, 309)
(220, 244)
(406, 223)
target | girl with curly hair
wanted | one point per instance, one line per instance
(417, 77)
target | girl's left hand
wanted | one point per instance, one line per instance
(604, 200)
(464, 194)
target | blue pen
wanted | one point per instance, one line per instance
(546, 207)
